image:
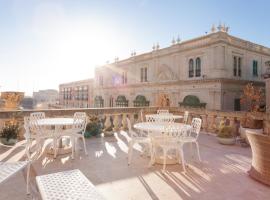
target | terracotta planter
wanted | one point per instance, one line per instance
(8, 142)
(243, 132)
(226, 141)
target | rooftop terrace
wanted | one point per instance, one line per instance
(221, 175)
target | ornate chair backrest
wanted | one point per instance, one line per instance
(134, 134)
(195, 127)
(150, 118)
(79, 121)
(185, 120)
(26, 125)
(162, 112)
(34, 127)
(165, 119)
(37, 115)
(130, 130)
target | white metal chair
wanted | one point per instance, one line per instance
(34, 131)
(77, 131)
(191, 137)
(37, 115)
(185, 119)
(162, 112)
(8, 169)
(136, 137)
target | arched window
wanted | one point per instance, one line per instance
(198, 67)
(191, 68)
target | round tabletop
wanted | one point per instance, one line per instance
(164, 116)
(158, 127)
(55, 121)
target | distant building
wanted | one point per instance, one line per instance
(43, 98)
(78, 94)
(27, 103)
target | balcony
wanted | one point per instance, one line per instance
(221, 175)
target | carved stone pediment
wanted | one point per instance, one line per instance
(165, 73)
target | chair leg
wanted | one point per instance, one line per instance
(55, 147)
(73, 147)
(198, 151)
(164, 159)
(28, 149)
(85, 150)
(191, 149)
(27, 178)
(152, 155)
(130, 151)
(182, 157)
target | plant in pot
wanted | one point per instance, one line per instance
(225, 134)
(9, 133)
(93, 127)
(254, 99)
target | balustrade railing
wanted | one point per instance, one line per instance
(114, 119)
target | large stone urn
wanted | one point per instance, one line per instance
(11, 100)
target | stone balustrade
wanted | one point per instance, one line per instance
(114, 118)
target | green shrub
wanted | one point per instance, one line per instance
(225, 132)
(10, 131)
(93, 127)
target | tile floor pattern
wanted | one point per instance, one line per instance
(221, 175)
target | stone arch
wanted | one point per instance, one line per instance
(121, 101)
(192, 101)
(140, 101)
(165, 73)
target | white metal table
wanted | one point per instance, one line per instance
(58, 124)
(156, 128)
(67, 185)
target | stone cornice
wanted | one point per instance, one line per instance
(70, 84)
(183, 82)
(199, 42)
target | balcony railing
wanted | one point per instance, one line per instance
(114, 118)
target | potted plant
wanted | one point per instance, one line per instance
(93, 127)
(9, 134)
(253, 99)
(225, 134)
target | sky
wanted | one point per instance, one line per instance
(47, 42)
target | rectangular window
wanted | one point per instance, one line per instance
(237, 66)
(237, 105)
(255, 68)
(141, 74)
(144, 74)
(234, 66)
(124, 78)
(100, 80)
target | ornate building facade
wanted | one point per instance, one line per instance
(209, 71)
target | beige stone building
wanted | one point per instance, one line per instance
(209, 71)
(78, 94)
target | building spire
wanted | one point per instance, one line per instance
(178, 40)
(173, 41)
